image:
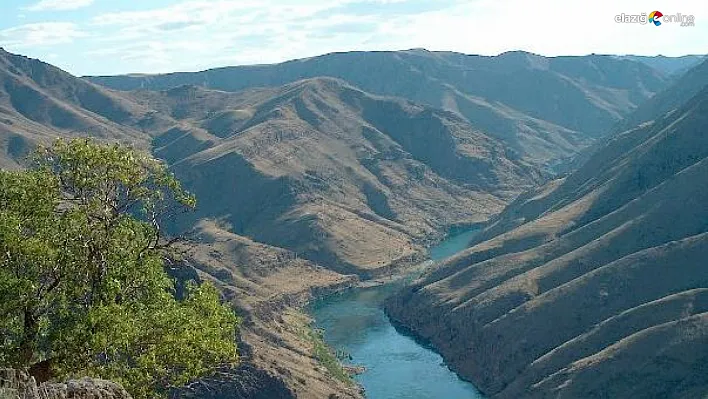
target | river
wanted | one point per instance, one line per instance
(397, 366)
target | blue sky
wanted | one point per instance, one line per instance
(152, 36)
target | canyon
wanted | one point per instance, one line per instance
(315, 174)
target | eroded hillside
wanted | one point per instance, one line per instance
(592, 286)
(350, 180)
(317, 166)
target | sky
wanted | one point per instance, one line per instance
(106, 37)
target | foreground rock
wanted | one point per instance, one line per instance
(16, 384)
(248, 381)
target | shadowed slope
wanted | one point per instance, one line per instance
(347, 179)
(40, 102)
(548, 302)
(670, 65)
(266, 285)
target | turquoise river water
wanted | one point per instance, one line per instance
(397, 365)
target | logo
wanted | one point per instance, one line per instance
(654, 17)
(657, 18)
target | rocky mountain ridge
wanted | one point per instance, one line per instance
(544, 108)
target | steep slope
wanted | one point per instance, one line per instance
(668, 65)
(545, 108)
(40, 102)
(594, 285)
(266, 285)
(352, 181)
(688, 85)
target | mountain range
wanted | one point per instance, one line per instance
(344, 178)
(544, 108)
(315, 173)
(317, 166)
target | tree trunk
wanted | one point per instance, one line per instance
(29, 339)
(41, 371)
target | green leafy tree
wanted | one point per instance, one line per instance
(83, 289)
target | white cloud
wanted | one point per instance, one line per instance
(40, 34)
(59, 5)
(231, 14)
(198, 34)
(213, 32)
(547, 27)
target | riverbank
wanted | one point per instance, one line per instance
(267, 287)
(283, 355)
(457, 239)
(355, 324)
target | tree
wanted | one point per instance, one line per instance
(83, 288)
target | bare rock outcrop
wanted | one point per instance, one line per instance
(16, 384)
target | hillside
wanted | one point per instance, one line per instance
(544, 108)
(267, 286)
(350, 180)
(39, 102)
(591, 286)
(672, 97)
(317, 166)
